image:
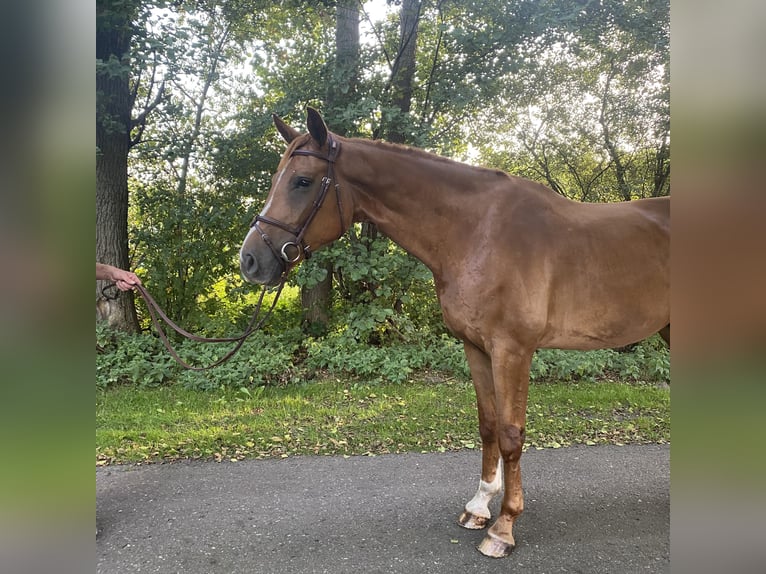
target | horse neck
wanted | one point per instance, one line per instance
(418, 200)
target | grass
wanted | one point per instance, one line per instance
(329, 417)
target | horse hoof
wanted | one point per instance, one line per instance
(494, 547)
(471, 521)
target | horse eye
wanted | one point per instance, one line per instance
(302, 182)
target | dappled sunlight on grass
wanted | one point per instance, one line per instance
(328, 417)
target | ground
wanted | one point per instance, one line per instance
(598, 509)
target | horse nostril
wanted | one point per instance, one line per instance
(247, 263)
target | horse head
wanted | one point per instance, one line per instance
(306, 208)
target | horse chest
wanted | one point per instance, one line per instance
(469, 314)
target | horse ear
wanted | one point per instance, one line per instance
(316, 125)
(288, 133)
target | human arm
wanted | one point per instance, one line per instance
(124, 280)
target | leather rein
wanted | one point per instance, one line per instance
(256, 322)
(287, 262)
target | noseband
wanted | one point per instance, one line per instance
(300, 231)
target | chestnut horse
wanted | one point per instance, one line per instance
(516, 267)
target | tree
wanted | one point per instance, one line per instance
(165, 62)
(114, 33)
(171, 193)
(394, 124)
(588, 114)
(316, 298)
(572, 94)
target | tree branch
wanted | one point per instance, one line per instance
(377, 35)
(622, 184)
(434, 65)
(140, 121)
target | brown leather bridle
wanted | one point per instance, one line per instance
(299, 232)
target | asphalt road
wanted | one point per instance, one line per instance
(588, 509)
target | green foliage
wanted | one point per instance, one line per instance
(647, 361)
(131, 359)
(263, 360)
(142, 360)
(183, 244)
(383, 295)
(341, 356)
(282, 355)
(520, 85)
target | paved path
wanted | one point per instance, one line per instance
(588, 509)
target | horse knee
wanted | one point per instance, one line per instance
(511, 441)
(487, 432)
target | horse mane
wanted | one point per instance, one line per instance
(417, 152)
(303, 139)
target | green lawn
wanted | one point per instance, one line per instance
(329, 417)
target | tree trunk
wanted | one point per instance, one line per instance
(403, 73)
(316, 300)
(662, 169)
(114, 105)
(619, 168)
(342, 91)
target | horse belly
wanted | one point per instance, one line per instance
(598, 317)
(586, 337)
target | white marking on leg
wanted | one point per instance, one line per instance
(479, 504)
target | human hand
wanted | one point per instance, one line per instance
(125, 280)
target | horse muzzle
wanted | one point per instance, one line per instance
(260, 274)
(259, 265)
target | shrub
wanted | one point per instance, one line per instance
(131, 358)
(647, 361)
(343, 356)
(264, 359)
(285, 357)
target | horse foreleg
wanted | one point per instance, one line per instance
(511, 380)
(477, 514)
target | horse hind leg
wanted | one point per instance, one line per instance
(476, 514)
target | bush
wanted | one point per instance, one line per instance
(131, 358)
(342, 356)
(263, 360)
(648, 361)
(285, 357)
(142, 359)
